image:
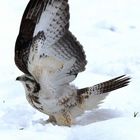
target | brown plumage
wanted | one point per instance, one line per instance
(51, 57)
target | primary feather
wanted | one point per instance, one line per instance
(51, 57)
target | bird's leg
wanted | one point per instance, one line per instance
(64, 118)
(67, 120)
(51, 120)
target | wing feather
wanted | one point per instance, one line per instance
(29, 20)
(44, 31)
(68, 47)
(88, 96)
(54, 21)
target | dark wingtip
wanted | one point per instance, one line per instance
(117, 83)
(108, 86)
(125, 79)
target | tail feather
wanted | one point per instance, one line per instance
(88, 95)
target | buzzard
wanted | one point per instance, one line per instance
(51, 57)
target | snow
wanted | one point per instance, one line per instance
(109, 31)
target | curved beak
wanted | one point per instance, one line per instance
(21, 78)
(18, 79)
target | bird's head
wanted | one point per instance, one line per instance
(29, 83)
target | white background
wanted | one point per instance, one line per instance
(109, 30)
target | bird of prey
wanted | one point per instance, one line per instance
(51, 57)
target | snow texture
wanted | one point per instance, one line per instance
(109, 31)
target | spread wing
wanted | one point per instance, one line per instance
(29, 20)
(51, 47)
(91, 97)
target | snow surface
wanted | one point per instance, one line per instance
(109, 31)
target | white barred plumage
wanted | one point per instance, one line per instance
(51, 57)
